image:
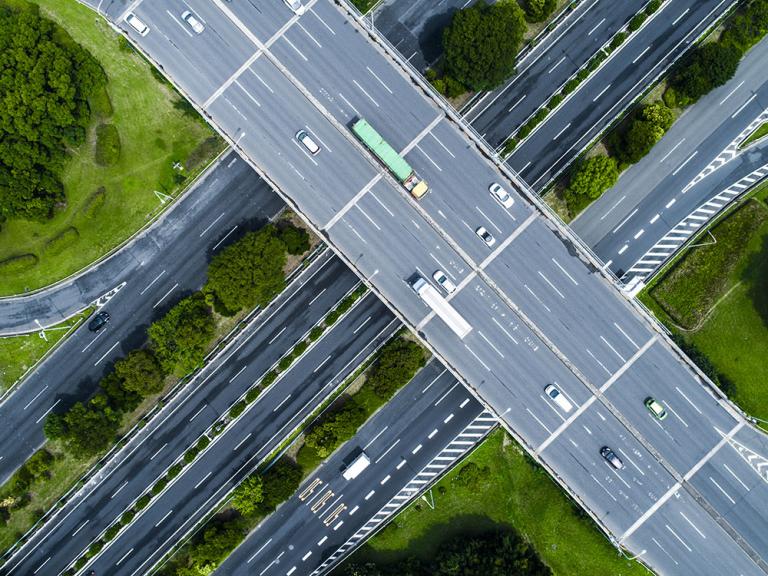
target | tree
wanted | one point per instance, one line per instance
(708, 67)
(296, 240)
(594, 176)
(658, 114)
(279, 483)
(55, 426)
(398, 362)
(481, 43)
(140, 372)
(39, 463)
(181, 337)
(91, 428)
(335, 427)
(248, 495)
(119, 398)
(539, 10)
(248, 273)
(45, 81)
(216, 544)
(639, 139)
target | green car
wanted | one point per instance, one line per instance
(655, 408)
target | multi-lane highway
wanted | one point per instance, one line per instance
(656, 199)
(312, 526)
(628, 72)
(285, 404)
(540, 312)
(154, 271)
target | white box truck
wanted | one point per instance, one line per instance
(355, 467)
(441, 307)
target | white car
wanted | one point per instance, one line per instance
(558, 398)
(136, 24)
(500, 195)
(445, 283)
(296, 6)
(309, 144)
(485, 236)
(194, 23)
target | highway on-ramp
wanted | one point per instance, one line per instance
(540, 311)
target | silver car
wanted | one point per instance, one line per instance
(485, 236)
(193, 21)
(500, 195)
(445, 283)
(296, 6)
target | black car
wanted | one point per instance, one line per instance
(98, 321)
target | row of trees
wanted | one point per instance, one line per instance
(710, 65)
(242, 276)
(261, 492)
(500, 552)
(45, 82)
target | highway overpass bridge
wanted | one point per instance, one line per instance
(693, 493)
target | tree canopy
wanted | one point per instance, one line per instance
(593, 176)
(140, 372)
(250, 271)
(45, 81)
(481, 43)
(180, 338)
(708, 67)
(248, 495)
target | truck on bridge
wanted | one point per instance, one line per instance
(441, 307)
(387, 155)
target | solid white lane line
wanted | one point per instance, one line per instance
(624, 221)
(107, 353)
(518, 102)
(158, 451)
(203, 479)
(219, 217)
(283, 401)
(603, 91)
(94, 340)
(41, 565)
(148, 286)
(238, 374)
(435, 379)
(561, 131)
(219, 243)
(164, 518)
(44, 388)
(731, 93)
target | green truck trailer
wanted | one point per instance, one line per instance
(387, 155)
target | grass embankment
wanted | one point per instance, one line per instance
(110, 188)
(511, 491)
(19, 353)
(759, 133)
(716, 297)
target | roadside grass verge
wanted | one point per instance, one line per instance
(731, 328)
(108, 202)
(19, 353)
(760, 132)
(511, 491)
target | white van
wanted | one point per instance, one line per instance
(137, 24)
(558, 398)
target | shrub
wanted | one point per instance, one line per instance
(637, 21)
(296, 240)
(142, 502)
(299, 349)
(652, 6)
(315, 333)
(398, 361)
(279, 483)
(107, 145)
(95, 202)
(248, 495)
(159, 486)
(127, 517)
(285, 363)
(140, 372)
(539, 10)
(617, 40)
(469, 475)
(593, 176)
(111, 532)
(555, 101)
(237, 409)
(191, 454)
(709, 66)
(81, 562)
(95, 548)
(269, 377)
(252, 394)
(570, 86)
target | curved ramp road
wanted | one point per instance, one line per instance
(654, 196)
(540, 313)
(665, 37)
(188, 416)
(158, 268)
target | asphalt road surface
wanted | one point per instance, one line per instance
(156, 270)
(311, 526)
(540, 313)
(207, 400)
(653, 197)
(630, 69)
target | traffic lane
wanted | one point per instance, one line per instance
(297, 535)
(271, 142)
(217, 388)
(681, 538)
(558, 140)
(541, 77)
(507, 364)
(735, 482)
(696, 420)
(617, 497)
(569, 302)
(240, 447)
(264, 18)
(333, 58)
(168, 260)
(199, 63)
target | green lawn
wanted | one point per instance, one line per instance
(19, 353)
(107, 204)
(513, 492)
(760, 132)
(729, 304)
